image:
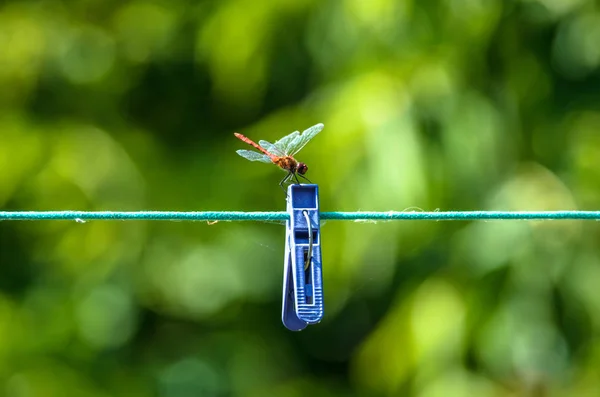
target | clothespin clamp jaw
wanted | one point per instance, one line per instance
(302, 275)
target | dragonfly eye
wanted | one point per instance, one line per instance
(302, 168)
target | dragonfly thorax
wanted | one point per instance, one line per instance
(288, 163)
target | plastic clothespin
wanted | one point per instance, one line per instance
(302, 274)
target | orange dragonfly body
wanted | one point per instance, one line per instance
(282, 152)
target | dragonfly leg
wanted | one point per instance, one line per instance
(302, 176)
(295, 175)
(283, 181)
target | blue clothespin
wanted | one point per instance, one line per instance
(302, 274)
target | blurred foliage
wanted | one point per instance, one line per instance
(438, 104)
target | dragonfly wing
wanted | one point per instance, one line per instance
(284, 144)
(254, 156)
(271, 148)
(303, 139)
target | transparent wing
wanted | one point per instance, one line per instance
(284, 143)
(301, 140)
(254, 156)
(271, 148)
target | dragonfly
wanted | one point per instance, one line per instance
(282, 152)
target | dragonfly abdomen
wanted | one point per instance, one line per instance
(256, 145)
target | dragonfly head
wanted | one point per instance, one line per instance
(302, 168)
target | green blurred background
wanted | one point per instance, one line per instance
(427, 105)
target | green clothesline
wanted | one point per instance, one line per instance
(282, 216)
